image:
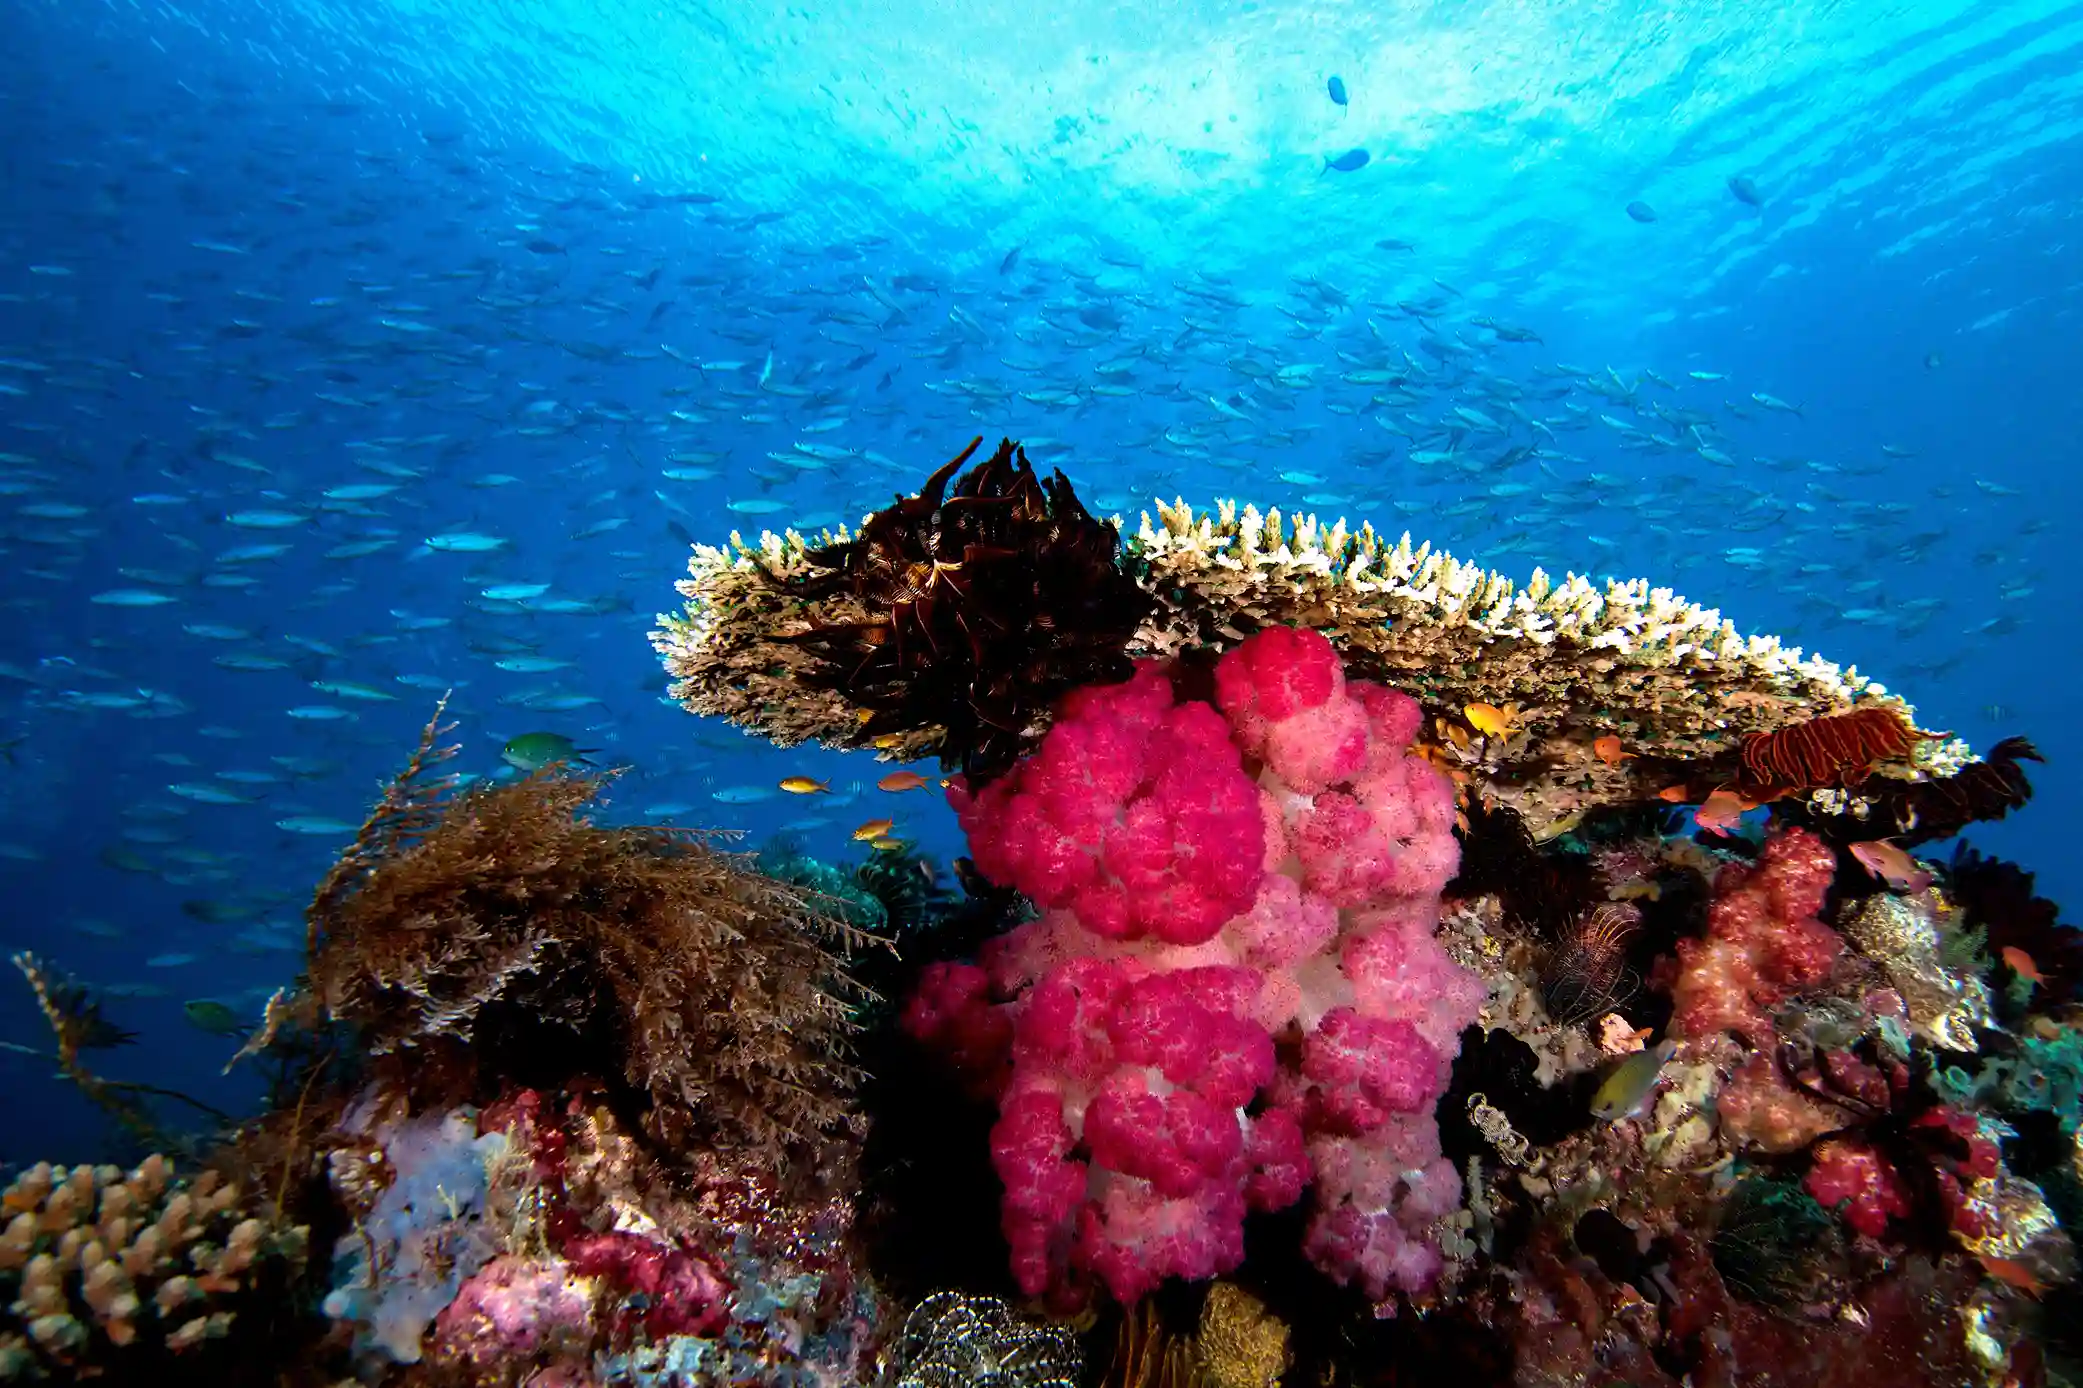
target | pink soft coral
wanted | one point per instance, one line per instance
(1210, 880)
(1763, 941)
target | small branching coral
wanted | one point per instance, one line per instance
(134, 1277)
(497, 917)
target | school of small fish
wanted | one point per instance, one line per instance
(312, 417)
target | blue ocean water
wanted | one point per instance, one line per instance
(1773, 305)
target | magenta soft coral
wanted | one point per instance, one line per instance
(1763, 941)
(1211, 878)
(1863, 1178)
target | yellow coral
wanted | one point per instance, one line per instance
(1240, 1343)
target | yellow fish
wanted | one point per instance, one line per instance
(886, 844)
(874, 829)
(806, 785)
(1492, 721)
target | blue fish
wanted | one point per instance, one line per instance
(1337, 86)
(1641, 211)
(1345, 163)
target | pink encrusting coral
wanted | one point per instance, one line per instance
(1763, 941)
(1213, 877)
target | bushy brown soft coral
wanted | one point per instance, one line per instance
(980, 606)
(498, 918)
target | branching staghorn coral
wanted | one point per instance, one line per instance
(498, 917)
(1673, 685)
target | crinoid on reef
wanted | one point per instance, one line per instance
(1914, 812)
(1838, 750)
(955, 619)
(494, 924)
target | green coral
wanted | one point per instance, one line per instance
(2046, 1076)
(910, 891)
(1965, 950)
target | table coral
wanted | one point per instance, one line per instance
(1215, 875)
(1674, 682)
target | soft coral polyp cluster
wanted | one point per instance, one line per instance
(1213, 877)
(1764, 941)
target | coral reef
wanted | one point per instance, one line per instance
(1288, 1026)
(538, 1240)
(135, 1276)
(951, 622)
(497, 925)
(1212, 879)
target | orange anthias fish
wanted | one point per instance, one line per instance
(1609, 750)
(2022, 964)
(1722, 811)
(1673, 795)
(874, 829)
(1492, 721)
(2013, 1274)
(1892, 864)
(805, 785)
(901, 780)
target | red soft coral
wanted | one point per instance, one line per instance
(1763, 941)
(1851, 1174)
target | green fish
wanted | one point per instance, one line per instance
(216, 1018)
(1626, 1092)
(533, 751)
